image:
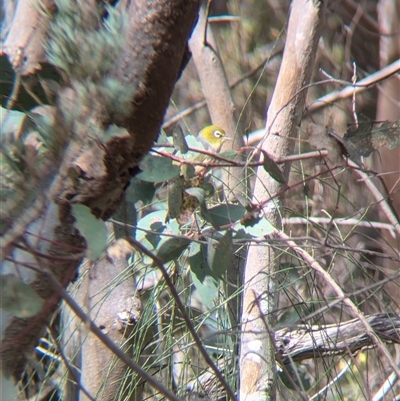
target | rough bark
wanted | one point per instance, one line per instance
(106, 291)
(99, 158)
(257, 361)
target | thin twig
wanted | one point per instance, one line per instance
(234, 163)
(185, 316)
(380, 198)
(202, 103)
(343, 297)
(107, 341)
(362, 85)
(386, 387)
(341, 221)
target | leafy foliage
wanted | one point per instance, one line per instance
(93, 230)
(182, 218)
(272, 169)
(157, 169)
(41, 86)
(18, 298)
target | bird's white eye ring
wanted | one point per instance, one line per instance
(217, 134)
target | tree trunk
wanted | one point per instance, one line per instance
(127, 81)
(257, 356)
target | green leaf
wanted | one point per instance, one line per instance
(188, 171)
(242, 235)
(10, 121)
(200, 195)
(19, 298)
(192, 141)
(163, 139)
(155, 241)
(171, 248)
(202, 276)
(93, 230)
(262, 228)
(272, 168)
(229, 154)
(224, 214)
(126, 212)
(219, 253)
(157, 169)
(154, 221)
(38, 87)
(174, 197)
(140, 190)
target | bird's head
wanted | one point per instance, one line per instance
(212, 137)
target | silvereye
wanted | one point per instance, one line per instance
(212, 137)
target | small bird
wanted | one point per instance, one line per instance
(212, 137)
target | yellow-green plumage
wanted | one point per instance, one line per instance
(212, 137)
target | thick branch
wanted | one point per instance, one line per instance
(132, 91)
(298, 343)
(304, 341)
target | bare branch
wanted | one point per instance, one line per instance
(342, 296)
(361, 86)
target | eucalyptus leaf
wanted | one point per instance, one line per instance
(262, 228)
(224, 214)
(125, 213)
(157, 169)
(200, 195)
(163, 139)
(229, 154)
(219, 253)
(174, 197)
(38, 87)
(154, 221)
(188, 171)
(205, 283)
(171, 248)
(11, 121)
(19, 298)
(140, 190)
(272, 168)
(369, 135)
(93, 230)
(193, 142)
